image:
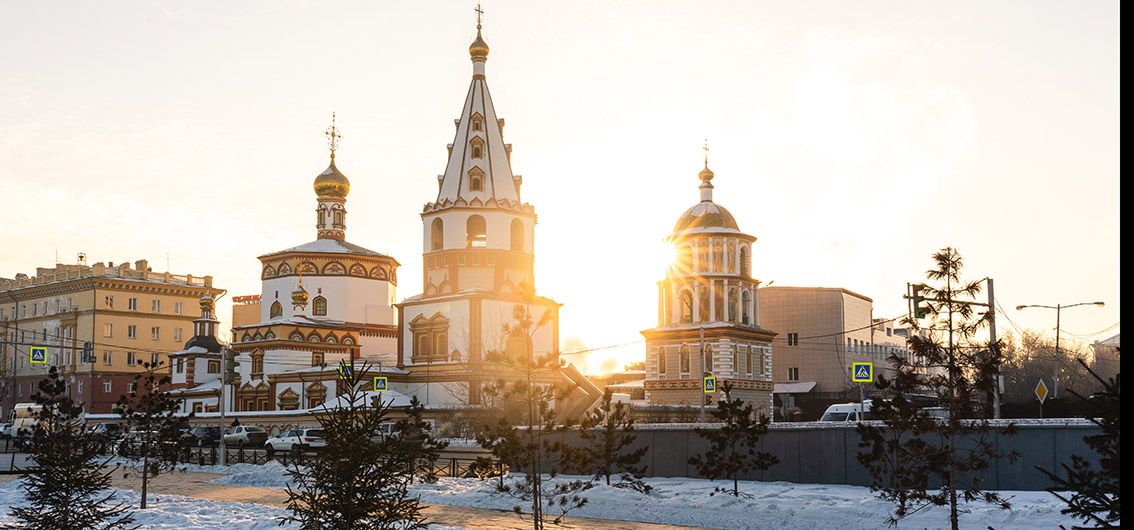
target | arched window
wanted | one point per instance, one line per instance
(684, 358)
(477, 122)
(661, 360)
(745, 301)
(475, 232)
(437, 234)
(321, 214)
(276, 311)
(319, 306)
(704, 303)
(338, 218)
(733, 304)
(477, 146)
(257, 364)
(476, 179)
(745, 266)
(686, 307)
(517, 235)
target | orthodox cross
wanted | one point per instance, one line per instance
(333, 136)
(479, 12)
(706, 149)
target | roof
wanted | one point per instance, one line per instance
(793, 388)
(839, 289)
(329, 246)
(706, 214)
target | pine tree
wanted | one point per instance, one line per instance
(417, 444)
(531, 446)
(607, 432)
(913, 451)
(732, 448)
(153, 417)
(361, 480)
(1095, 492)
(69, 489)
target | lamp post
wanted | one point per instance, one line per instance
(1058, 308)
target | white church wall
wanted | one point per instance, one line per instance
(496, 313)
(349, 299)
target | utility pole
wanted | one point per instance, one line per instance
(221, 401)
(1058, 361)
(701, 413)
(995, 349)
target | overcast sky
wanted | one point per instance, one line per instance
(852, 138)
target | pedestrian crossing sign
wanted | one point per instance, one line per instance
(710, 384)
(381, 384)
(345, 370)
(862, 372)
(39, 355)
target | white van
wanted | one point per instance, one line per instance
(24, 419)
(847, 412)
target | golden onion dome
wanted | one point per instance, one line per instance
(332, 183)
(478, 49)
(299, 296)
(706, 174)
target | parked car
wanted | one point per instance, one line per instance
(243, 435)
(202, 435)
(131, 442)
(847, 412)
(6, 430)
(296, 440)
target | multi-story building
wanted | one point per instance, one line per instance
(708, 317)
(128, 313)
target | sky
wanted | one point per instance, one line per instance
(853, 139)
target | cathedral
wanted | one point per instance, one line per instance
(330, 301)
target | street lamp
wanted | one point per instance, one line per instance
(1058, 308)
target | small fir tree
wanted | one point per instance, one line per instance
(607, 433)
(531, 446)
(153, 426)
(1095, 491)
(361, 479)
(732, 448)
(417, 444)
(912, 451)
(69, 488)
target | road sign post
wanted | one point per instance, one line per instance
(709, 385)
(381, 383)
(1041, 394)
(862, 373)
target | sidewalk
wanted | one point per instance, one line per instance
(192, 484)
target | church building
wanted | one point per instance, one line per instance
(708, 314)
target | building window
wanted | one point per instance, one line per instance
(107, 358)
(517, 235)
(437, 234)
(316, 394)
(733, 304)
(686, 307)
(131, 387)
(156, 306)
(745, 266)
(430, 338)
(475, 232)
(748, 360)
(155, 333)
(131, 358)
(214, 366)
(319, 306)
(848, 345)
(107, 387)
(108, 301)
(257, 364)
(317, 358)
(180, 365)
(708, 359)
(132, 304)
(177, 334)
(108, 330)
(154, 360)
(745, 301)
(793, 339)
(477, 146)
(684, 359)
(661, 360)
(793, 374)
(276, 310)
(178, 308)
(477, 122)
(132, 332)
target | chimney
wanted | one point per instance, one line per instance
(142, 265)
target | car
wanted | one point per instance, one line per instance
(243, 435)
(6, 430)
(296, 440)
(131, 442)
(847, 412)
(202, 435)
(106, 432)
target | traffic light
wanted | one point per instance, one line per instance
(229, 371)
(88, 352)
(920, 307)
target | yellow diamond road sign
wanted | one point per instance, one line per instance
(1041, 391)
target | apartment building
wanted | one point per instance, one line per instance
(127, 312)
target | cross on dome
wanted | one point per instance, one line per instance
(333, 136)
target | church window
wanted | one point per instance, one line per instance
(455, 357)
(733, 304)
(257, 364)
(661, 360)
(475, 232)
(316, 394)
(430, 338)
(437, 234)
(317, 358)
(708, 359)
(338, 218)
(704, 303)
(477, 122)
(440, 342)
(745, 301)
(684, 359)
(422, 345)
(289, 400)
(745, 266)
(748, 360)
(686, 307)
(319, 306)
(684, 259)
(476, 183)
(517, 235)
(277, 310)
(477, 146)
(321, 216)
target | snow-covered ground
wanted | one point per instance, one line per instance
(685, 501)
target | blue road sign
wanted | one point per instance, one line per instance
(862, 372)
(345, 370)
(710, 384)
(381, 384)
(39, 355)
